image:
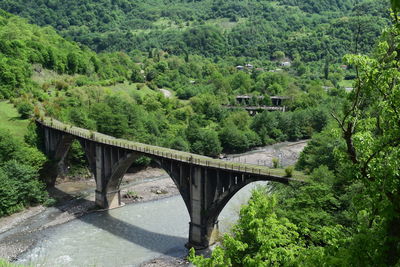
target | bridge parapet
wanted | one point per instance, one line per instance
(169, 153)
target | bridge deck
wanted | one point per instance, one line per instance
(170, 153)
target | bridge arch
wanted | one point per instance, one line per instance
(206, 185)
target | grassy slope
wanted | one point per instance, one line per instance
(127, 87)
(10, 120)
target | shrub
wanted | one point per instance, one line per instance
(25, 109)
(61, 85)
(19, 187)
(275, 162)
(289, 171)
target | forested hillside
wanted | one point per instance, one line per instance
(119, 95)
(311, 29)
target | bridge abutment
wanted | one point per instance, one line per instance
(56, 147)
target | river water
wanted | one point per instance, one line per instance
(127, 236)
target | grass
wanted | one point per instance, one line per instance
(132, 88)
(346, 83)
(11, 121)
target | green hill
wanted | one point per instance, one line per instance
(213, 28)
(23, 44)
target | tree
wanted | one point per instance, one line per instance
(137, 76)
(370, 127)
(19, 187)
(233, 140)
(278, 55)
(72, 63)
(260, 238)
(25, 109)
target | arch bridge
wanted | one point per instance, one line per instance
(205, 184)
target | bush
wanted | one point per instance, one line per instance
(25, 109)
(143, 161)
(19, 187)
(61, 85)
(275, 162)
(289, 171)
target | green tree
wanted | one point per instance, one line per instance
(370, 127)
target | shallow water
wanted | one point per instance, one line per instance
(126, 236)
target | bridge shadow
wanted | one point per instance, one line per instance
(157, 242)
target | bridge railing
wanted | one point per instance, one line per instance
(167, 152)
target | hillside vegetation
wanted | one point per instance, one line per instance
(312, 29)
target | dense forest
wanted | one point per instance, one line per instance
(107, 65)
(250, 29)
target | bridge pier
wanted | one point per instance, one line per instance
(108, 200)
(109, 165)
(202, 226)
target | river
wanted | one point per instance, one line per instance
(133, 234)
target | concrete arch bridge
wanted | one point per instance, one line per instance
(205, 184)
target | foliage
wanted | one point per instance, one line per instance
(212, 28)
(23, 44)
(320, 150)
(25, 109)
(259, 238)
(289, 171)
(19, 166)
(19, 187)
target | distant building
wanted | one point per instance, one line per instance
(245, 99)
(286, 64)
(343, 67)
(249, 66)
(239, 67)
(278, 100)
